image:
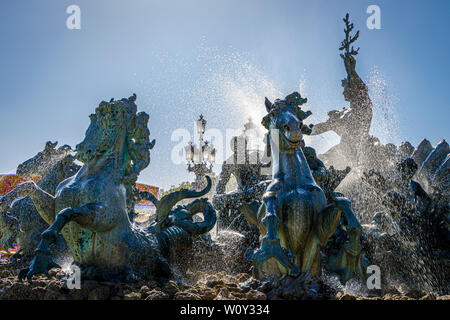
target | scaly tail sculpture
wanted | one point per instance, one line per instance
(294, 219)
(90, 208)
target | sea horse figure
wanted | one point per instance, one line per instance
(90, 207)
(294, 219)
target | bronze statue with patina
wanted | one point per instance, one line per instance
(295, 219)
(22, 223)
(351, 124)
(90, 207)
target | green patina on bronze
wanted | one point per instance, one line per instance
(91, 208)
(295, 219)
(21, 223)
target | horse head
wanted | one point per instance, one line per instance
(285, 118)
(117, 132)
(103, 133)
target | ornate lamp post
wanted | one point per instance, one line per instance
(198, 156)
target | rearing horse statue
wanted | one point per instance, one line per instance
(294, 219)
(90, 207)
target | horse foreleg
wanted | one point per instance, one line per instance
(345, 207)
(327, 222)
(325, 226)
(348, 260)
(271, 259)
(43, 201)
(42, 261)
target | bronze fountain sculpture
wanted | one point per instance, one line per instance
(22, 222)
(295, 219)
(90, 207)
(304, 224)
(351, 124)
(245, 165)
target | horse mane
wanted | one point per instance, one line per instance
(136, 155)
(292, 102)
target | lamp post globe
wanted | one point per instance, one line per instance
(198, 156)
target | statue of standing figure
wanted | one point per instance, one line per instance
(351, 124)
(246, 166)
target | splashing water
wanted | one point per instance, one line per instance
(228, 89)
(233, 86)
(323, 142)
(66, 263)
(385, 122)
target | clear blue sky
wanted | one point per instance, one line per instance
(219, 58)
